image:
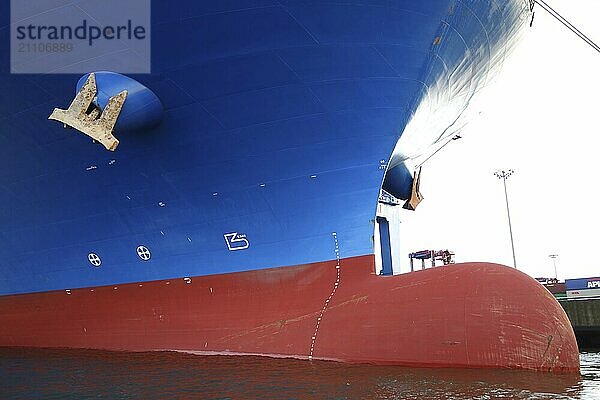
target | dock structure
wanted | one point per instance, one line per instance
(584, 315)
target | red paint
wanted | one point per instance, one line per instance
(468, 315)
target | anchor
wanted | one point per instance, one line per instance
(415, 195)
(87, 117)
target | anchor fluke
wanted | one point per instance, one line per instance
(415, 195)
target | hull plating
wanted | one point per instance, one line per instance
(280, 119)
(469, 315)
(211, 232)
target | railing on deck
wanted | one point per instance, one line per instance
(445, 256)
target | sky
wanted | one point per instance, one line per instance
(541, 118)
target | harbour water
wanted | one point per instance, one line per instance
(80, 374)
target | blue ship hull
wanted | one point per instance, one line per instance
(280, 120)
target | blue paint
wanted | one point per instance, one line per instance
(582, 283)
(386, 248)
(275, 118)
(398, 182)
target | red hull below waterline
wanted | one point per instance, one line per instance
(475, 315)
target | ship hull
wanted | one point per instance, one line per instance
(466, 315)
(279, 125)
(211, 232)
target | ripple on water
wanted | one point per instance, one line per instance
(43, 373)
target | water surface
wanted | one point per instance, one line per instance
(79, 374)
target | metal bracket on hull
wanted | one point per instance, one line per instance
(415, 195)
(87, 117)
